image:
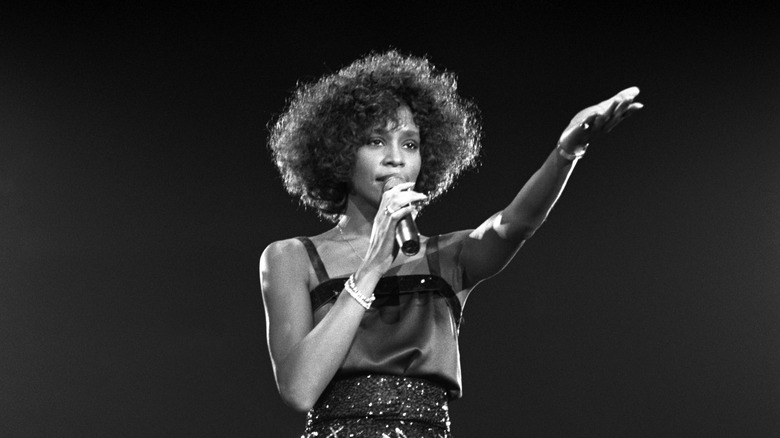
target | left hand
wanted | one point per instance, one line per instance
(599, 119)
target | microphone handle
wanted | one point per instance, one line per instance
(407, 235)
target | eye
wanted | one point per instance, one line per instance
(375, 142)
(412, 145)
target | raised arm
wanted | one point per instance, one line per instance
(488, 249)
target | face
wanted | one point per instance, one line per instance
(390, 151)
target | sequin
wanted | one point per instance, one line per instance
(380, 406)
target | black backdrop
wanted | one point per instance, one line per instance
(137, 195)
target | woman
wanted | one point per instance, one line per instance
(362, 336)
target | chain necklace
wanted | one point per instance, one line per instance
(341, 233)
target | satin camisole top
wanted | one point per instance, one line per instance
(411, 328)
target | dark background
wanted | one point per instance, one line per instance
(136, 195)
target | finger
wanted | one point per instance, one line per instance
(621, 103)
(631, 109)
(401, 186)
(390, 194)
(401, 212)
(609, 104)
(610, 110)
(629, 93)
(413, 196)
(403, 196)
(622, 106)
(634, 107)
(405, 199)
(603, 116)
(608, 128)
(617, 115)
(624, 114)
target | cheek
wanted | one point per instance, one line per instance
(418, 166)
(418, 171)
(361, 166)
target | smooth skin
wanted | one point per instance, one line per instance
(305, 357)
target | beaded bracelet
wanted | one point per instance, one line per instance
(351, 289)
(571, 156)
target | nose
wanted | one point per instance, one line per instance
(394, 155)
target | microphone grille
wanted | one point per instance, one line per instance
(392, 182)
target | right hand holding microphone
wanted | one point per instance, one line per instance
(398, 202)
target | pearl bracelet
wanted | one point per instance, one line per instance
(351, 289)
(571, 156)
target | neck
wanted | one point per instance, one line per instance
(358, 217)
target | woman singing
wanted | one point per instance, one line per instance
(361, 335)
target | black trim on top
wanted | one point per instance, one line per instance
(389, 287)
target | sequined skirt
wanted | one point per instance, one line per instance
(382, 407)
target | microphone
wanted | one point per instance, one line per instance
(406, 233)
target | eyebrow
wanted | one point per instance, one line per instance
(407, 130)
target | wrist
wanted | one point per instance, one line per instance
(570, 153)
(361, 297)
(367, 276)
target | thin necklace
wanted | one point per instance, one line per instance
(341, 233)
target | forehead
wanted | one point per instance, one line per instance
(404, 121)
(405, 116)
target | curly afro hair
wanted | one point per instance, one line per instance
(313, 142)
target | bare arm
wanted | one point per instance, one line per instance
(488, 249)
(305, 357)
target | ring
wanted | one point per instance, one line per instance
(387, 210)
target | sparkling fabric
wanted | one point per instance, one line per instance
(380, 406)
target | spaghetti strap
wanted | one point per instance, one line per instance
(316, 261)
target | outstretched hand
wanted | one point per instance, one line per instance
(599, 119)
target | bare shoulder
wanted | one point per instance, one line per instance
(284, 261)
(283, 251)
